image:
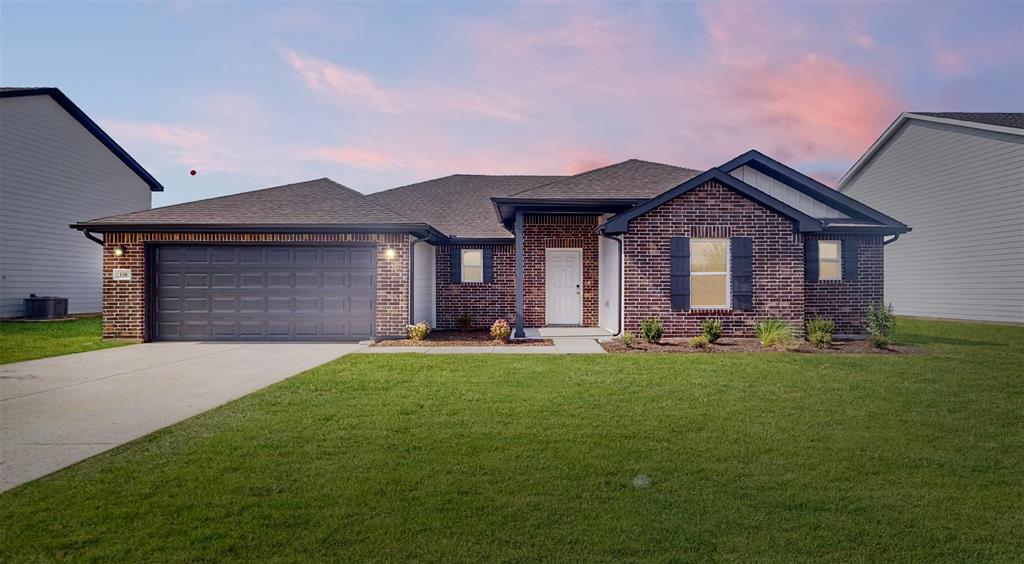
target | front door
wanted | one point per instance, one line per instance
(564, 275)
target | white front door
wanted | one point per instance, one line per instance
(564, 276)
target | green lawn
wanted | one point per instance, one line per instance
(777, 457)
(22, 340)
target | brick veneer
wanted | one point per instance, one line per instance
(713, 210)
(483, 302)
(542, 232)
(124, 304)
(844, 301)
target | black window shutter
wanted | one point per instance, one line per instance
(851, 248)
(742, 266)
(811, 260)
(456, 261)
(680, 273)
(488, 265)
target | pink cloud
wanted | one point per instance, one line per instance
(345, 84)
(949, 62)
(362, 158)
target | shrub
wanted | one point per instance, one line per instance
(464, 322)
(501, 331)
(878, 341)
(419, 331)
(627, 338)
(700, 342)
(652, 330)
(773, 333)
(820, 332)
(881, 322)
(712, 329)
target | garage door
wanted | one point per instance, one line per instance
(263, 293)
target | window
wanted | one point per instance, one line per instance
(472, 265)
(709, 273)
(829, 265)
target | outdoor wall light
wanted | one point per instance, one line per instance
(389, 253)
(118, 251)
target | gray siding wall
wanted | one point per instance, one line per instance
(962, 192)
(53, 172)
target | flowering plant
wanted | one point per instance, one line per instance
(419, 331)
(501, 331)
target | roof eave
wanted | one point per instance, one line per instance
(64, 102)
(419, 229)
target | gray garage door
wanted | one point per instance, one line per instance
(264, 293)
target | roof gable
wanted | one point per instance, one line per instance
(802, 221)
(90, 126)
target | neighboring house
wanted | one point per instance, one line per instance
(958, 178)
(56, 166)
(749, 240)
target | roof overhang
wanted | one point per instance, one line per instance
(898, 124)
(802, 222)
(507, 207)
(87, 122)
(420, 230)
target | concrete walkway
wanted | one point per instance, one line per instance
(562, 345)
(57, 411)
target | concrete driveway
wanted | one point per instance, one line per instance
(57, 411)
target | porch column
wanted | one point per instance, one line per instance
(520, 274)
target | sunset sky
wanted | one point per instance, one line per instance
(376, 95)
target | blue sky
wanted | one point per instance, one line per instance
(376, 95)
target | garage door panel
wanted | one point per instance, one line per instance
(242, 292)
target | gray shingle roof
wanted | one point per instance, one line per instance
(458, 205)
(314, 202)
(629, 179)
(1003, 119)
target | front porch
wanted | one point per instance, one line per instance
(567, 332)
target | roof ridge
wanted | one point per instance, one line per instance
(599, 169)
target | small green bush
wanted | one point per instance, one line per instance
(419, 331)
(878, 341)
(700, 342)
(627, 338)
(881, 322)
(652, 330)
(820, 332)
(465, 322)
(712, 329)
(501, 330)
(773, 333)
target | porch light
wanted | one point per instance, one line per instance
(118, 251)
(389, 253)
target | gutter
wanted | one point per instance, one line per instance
(88, 235)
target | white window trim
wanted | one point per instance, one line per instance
(838, 260)
(462, 266)
(728, 276)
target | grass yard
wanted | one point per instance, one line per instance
(22, 340)
(767, 456)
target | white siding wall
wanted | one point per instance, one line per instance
(424, 284)
(962, 192)
(53, 172)
(608, 284)
(785, 194)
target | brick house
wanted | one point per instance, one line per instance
(749, 240)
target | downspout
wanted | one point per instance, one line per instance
(88, 235)
(412, 278)
(620, 284)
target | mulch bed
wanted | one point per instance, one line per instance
(725, 345)
(478, 338)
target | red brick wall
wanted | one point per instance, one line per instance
(713, 211)
(483, 302)
(542, 232)
(844, 301)
(124, 301)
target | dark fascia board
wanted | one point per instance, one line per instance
(864, 230)
(506, 208)
(804, 222)
(92, 127)
(799, 181)
(418, 229)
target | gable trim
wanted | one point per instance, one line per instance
(802, 221)
(92, 127)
